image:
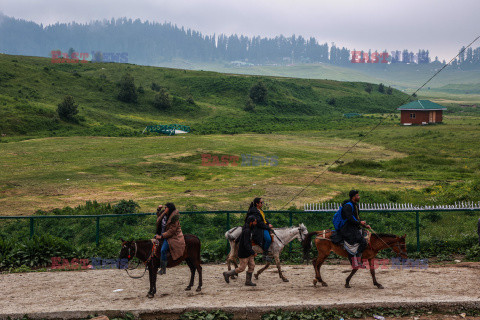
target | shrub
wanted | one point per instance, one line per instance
(155, 87)
(204, 315)
(127, 93)
(162, 100)
(258, 93)
(331, 101)
(190, 100)
(125, 206)
(67, 109)
(368, 88)
(473, 253)
(249, 106)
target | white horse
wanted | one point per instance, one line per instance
(281, 238)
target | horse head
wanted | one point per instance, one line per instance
(302, 232)
(128, 250)
(400, 246)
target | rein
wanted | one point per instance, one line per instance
(275, 234)
(397, 245)
(146, 262)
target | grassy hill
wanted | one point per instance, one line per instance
(31, 89)
(404, 77)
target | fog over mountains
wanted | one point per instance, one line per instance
(151, 43)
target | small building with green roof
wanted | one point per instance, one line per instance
(421, 112)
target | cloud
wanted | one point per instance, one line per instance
(364, 25)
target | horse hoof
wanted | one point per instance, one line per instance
(188, 288)
(256, 276)
(199, 289)
(149, 295)
(347, 286)
(285, 280)
(315, 282)
(379, 286)
(324, 284)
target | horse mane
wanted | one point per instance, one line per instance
(142, 241)
(384, 235)
(285, 228)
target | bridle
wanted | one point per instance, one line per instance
(301, 234)
(129, 253)
(134, 256)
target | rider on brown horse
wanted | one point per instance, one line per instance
(351, 232)
(169, 230)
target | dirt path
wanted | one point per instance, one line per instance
(79, 293)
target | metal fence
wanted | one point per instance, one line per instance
(397, 207)
(283, 217)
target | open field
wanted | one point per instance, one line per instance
(56, 172)
(80, 293)
(47, 173)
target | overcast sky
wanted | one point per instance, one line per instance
(442, 26)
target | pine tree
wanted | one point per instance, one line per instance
(71, 52)
(381, 88)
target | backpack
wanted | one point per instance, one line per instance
(338, 221)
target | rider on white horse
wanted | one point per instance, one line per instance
(263, 229)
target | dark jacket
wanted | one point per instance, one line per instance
(352, 227)
(256, 213)
(260, 227)
(245, 242)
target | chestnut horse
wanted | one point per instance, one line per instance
(378, 241)
(142, 249)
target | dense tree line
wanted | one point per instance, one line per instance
(151, 42)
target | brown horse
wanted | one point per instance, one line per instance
(142, 249)
(378, 241)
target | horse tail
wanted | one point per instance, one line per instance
(307, 244)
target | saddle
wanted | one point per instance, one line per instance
(157, 245)
(335, 238)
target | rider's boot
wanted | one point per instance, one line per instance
(163, 267)
(357, 262)
(228, 274)
(248, 281)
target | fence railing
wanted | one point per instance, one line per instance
(397, 207)
(328, 207)
(308, 209)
